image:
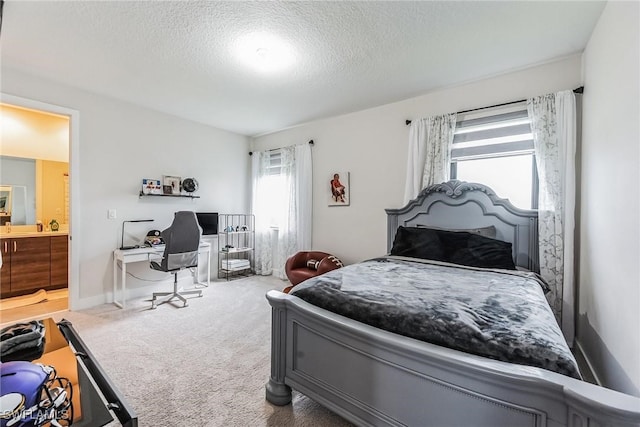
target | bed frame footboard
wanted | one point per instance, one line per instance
(373, 377)
(277, 391)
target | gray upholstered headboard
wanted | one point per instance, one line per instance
(466, 205)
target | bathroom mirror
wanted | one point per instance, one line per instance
(5, 199)
(5, 204)
(33, 190)
(13, 205)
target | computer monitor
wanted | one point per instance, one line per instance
(208, 222)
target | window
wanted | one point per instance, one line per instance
(272, 189)
(497, 150)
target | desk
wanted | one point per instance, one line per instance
(146, 254)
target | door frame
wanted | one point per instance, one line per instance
(74, 185)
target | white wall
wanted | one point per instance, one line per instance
(120, 144)
(372, 146)
(609, 294)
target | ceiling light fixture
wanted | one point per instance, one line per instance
(264, 52)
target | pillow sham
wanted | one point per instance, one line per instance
(458, 247)
(419, 242)
(475, 250)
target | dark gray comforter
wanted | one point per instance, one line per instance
(499, 314)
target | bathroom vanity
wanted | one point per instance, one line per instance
(33, 261)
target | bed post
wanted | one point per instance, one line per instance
(277, 392)
(534, 254)
(392, 228)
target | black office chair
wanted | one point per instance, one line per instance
(181, 240)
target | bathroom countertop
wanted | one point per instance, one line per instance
(18, 234)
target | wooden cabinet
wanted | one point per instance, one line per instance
(59, 261)
(32, 263)
(5, 270)
(30, 260)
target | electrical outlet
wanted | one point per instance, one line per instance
(111, 214)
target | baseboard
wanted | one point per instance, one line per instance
(583, 355)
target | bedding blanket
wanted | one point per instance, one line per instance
(500, 314)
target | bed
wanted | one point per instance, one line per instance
(373, 376)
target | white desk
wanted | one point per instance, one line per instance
(146, 254)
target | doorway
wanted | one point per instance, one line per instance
(63, 216)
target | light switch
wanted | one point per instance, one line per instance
(111, 214)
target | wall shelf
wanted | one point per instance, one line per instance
(188, 196)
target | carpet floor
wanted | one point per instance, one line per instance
(203, 365)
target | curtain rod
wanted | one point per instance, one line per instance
(274, 149)
(576, 90)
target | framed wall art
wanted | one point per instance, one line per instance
(338, 186)
(171, 184)
(151, 186)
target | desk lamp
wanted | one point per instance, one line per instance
(122, 246)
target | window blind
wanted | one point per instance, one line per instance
(275, 163)
(493, 136)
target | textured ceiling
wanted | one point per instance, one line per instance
(181, 57)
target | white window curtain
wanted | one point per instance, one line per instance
(262, 186)
(429, 156)
(281, 204)
(304, 184)
(553, 123)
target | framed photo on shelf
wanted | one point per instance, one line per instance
(338, 186)
(151, 186)
(171, 184)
